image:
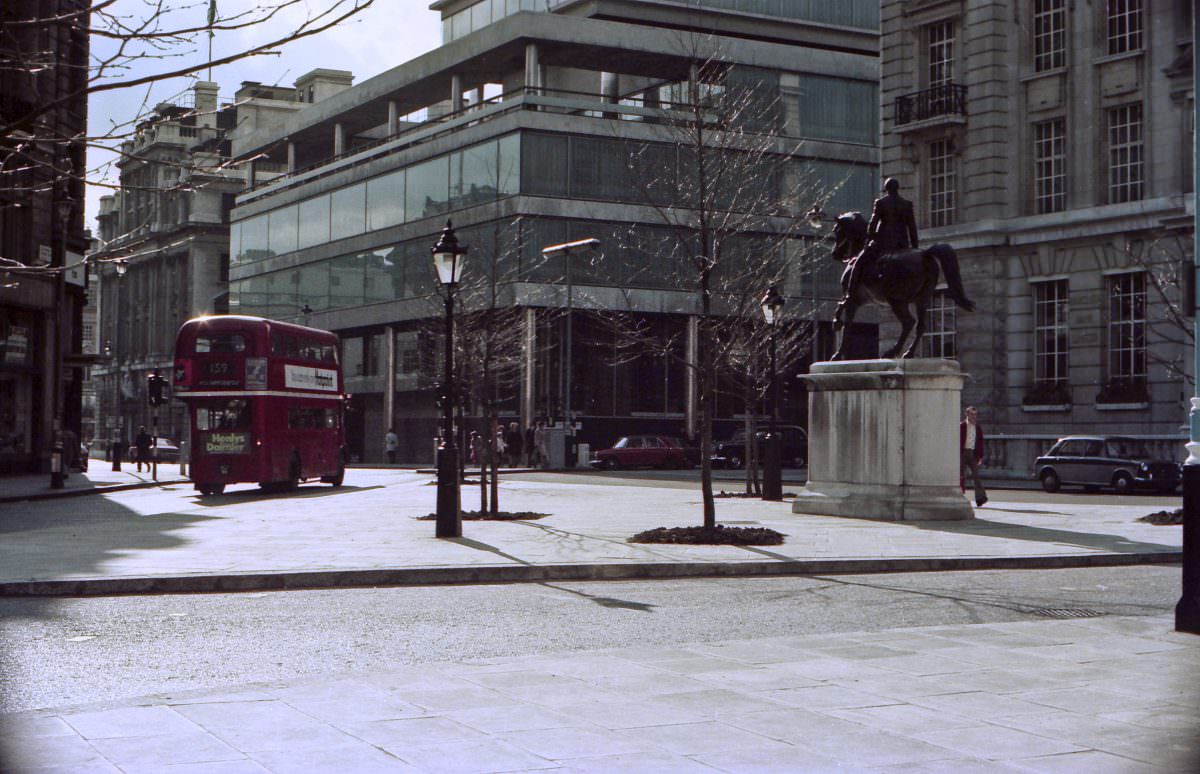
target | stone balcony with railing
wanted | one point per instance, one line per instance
(941, 104)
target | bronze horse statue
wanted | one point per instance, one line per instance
(900, 279)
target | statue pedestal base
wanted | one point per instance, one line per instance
(883, 440)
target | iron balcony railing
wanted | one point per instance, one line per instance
(947, 99)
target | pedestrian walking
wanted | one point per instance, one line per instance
(475, 444)
(970, 440)
(541, 444)
(144, 442)
(530, 448)
(391, 442)
(500, 446)
(513, 442)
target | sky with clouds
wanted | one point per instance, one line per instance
(386, 34)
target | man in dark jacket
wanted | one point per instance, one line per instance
(893, 227)
(970, 441)
(144, 443)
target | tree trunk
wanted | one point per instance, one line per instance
(492, 427)
(706, 400)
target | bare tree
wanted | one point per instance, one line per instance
(490, 344)
(1166, 259)
(725, 186)
(130, 45)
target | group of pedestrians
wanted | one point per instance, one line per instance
(513, 447)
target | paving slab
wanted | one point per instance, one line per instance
(569, 712)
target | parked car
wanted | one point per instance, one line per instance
(166, 449)
(1094, 461)
(642, 451)
(731, 453)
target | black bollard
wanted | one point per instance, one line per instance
(1187, 610)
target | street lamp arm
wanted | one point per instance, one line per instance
(566, 247)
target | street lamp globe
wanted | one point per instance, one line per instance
(449, 257)
(772, 305)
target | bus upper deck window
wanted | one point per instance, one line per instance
(221, 342)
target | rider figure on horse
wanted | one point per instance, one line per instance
(893, 227)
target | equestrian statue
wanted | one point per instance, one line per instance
(884, 265)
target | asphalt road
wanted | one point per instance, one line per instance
(68, 652)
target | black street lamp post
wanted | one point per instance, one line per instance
(58, 456)
(772, 489)
(448, 260)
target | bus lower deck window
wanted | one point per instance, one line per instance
(224, 415)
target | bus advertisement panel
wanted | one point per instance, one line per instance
(265, 399)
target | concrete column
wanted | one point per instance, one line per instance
(528, 367)
(477, 96)
(610, 88)
(249, 174)
(610, 91)
(393, 118)
(456, 90)
(533, 68)
(291, 156)
(692, 362)
(389, 377)
(339, 138)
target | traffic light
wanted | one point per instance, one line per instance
(157, 391)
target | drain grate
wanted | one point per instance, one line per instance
(1067, 612)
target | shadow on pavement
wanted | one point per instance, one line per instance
(73, 537)
(609, 602)
(303, 492)
(1099, 542)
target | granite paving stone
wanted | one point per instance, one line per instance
(160, 751)
(131, 721)
(703, 737)
(995, 742)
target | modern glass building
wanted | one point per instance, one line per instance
(531, 127)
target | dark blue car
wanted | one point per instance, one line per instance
(1094, 461)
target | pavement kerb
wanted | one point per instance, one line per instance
(438, 576)
(90, 490)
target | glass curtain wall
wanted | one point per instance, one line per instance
(464, 178)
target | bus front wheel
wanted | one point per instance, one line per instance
(207, 490)
(338, 478)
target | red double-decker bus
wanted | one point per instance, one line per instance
(265, 402)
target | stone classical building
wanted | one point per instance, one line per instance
(1049, 143)
(163, 254)
(43, 120)
(520, 128)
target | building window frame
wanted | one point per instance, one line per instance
(1051, 333)
(1050, 166)
(1124, 26)
(1126, 153)
(941, 327)
(942, 182)
(1126, 339)
(1049, 35)
(939, 48)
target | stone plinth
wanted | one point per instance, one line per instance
(883, 440)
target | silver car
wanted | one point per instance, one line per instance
(1094, 461)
